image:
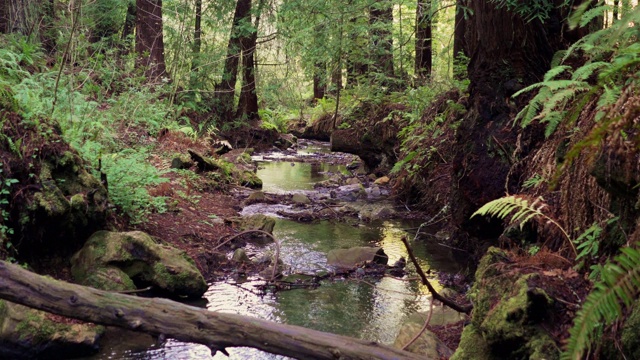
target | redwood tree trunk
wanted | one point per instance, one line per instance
(225, 90)
(459, 31)
(424, 14)
(149, 39)
(507, 53)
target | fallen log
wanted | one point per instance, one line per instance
(164, 317)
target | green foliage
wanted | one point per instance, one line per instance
(617, 290)
(530, 10)
(520, 209)
(533, 181)
(129, 177)
(610, 59)
(5, 192)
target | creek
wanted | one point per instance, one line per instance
(367, 308)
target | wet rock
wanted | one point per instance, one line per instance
(353, 181)
(112, 260)
(300, 199)
(26, 333)
(426, 344)
(327, 213)
(258, 222)
(240, 256)
(256, 197)
(350, 192)
(382, 180)
(350, 258)
(383, 213)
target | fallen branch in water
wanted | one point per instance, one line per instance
(425, 281)
(162, 317)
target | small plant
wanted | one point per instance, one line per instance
(533, 181)
(5, 231)
(521, 210)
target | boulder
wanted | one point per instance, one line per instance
(300, 199)
(256, 197)
(26, 333)
(258, 222)
(382, 180)
(123, 261)
(350, 258)
(71, 204)
(507, 315)
(350, 192)
(426, 344)
(240, 256)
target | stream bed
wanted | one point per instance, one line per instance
(367, 308)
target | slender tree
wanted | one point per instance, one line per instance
(197, 36)
(149, 39)
(381, 22)
(424, 17)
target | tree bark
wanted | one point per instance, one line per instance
(381, 20)
(506, 54)
(149, 39)
(225, 90)
(424, 17)
(248, 102)
(47, 27)
(185, 323)
(197, 37)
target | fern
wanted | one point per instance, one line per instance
(617, 289)
(521, 211)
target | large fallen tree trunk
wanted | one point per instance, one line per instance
(186, 323)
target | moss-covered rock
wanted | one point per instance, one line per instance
(426, 344)
(507, 314)
(26, 333)
(119, 261)
(70, 205)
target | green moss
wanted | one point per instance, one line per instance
(244, 158)
(629, 337)
(472, 346)
(39, 329)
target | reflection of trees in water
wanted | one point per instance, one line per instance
(339, 308)
(316, 169)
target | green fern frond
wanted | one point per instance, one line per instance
(592, 14)
(584, 72)
(577, 14)
(620, 282)
(555, 71)
(526, 210)
(553, 120)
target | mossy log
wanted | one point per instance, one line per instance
(186, 323)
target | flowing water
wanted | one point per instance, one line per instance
(371, 309)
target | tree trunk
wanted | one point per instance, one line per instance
(185, 323)
(248, 103)
(47, 27)
(319, 66)
(149, 39)
(19, 15)
(356, 54)
(381, 20)
(424, 13)
(507, 53)
(225, 90)
(130, 20)
(197, 37)
(319, 80)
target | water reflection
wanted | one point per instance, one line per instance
(283, 176)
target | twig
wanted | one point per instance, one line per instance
(424, 327)
(425, 281)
